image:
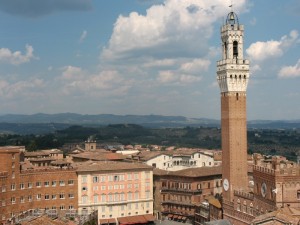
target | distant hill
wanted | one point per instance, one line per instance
(46, 123)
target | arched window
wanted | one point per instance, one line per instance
(238, 207)
(235, 49)
(298, 194)
(225, 49)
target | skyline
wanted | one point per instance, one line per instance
(144, 57)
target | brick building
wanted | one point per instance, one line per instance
(24, 188)
(177, 193)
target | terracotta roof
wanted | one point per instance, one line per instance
(38, 153)
(43, 220)
(286, 214)
(109, 166)
(198, 172)
(157, 171)
(100, 156)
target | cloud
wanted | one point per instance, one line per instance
(38, 8)
(16, 58)
(196, 66)
(83, 36)
(24, 88)
(173, 29)
(290, 71)
(260, 51)
(104, 83)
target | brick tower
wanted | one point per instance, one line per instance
(232, 76)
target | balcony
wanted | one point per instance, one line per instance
(181, 190)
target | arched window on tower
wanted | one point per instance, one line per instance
(235, 49)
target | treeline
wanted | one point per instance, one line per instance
(265, 141)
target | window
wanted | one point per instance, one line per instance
(38, 184)
(110, 197)
(29, 185)
(116, 178)
(136, 176)
(13, 200)
(62, 207)
(129, 176)
(53, 197)
(71, 207)
(13, 187)
(110, 178)
(103, 187)
(84, 188)
(83, 179)
(70, 182)
(129, 196)
(13, 175)
(29, 198)
(61, 183)
(136, 195)
(22, 186)
(121, 186)
(136, 186)
(22, 199)
(298, 194)
(46, 183)
(122, 197)
(129, 186)
(147, 194)
(116, 187)
(95, 188)
(13, 156)
(103, 198)
(95, 198)
(71, 195)
(95, 179)
(3, 203)
(117, 197)
(3, 189)
(122, 177)
(110, 187)
(47, 197)
(147, 175)
(54, 183)
(62, 196)
(103, 179)
(84, 199)
(38, 196)
(12, 165)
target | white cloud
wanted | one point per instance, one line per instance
(196, 66)
(72, 72)
(176, 28)
(104, 83)
(189, 79)
(290, 71)
(16, 58)
(160, 63)
(260, 51)
(21, 88)
(166, 76)
(83, 36)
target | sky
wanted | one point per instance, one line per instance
(143, 57)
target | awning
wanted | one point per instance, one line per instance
(139, 219)
(175, 216)
(179, 217)
(170, 215)
(107, 221)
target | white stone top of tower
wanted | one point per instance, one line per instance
(232, 69)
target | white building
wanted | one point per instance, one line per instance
(178, 159)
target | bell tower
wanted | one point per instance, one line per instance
(232, 76)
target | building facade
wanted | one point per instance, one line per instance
(25, 189)
(116, 190)
(177, 193)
